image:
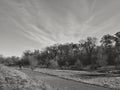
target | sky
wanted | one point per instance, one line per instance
(35, 24)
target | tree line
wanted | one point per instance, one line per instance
(87, 53)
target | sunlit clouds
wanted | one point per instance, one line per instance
(40, 23)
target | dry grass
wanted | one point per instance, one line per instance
(11, 79)
(95, 78)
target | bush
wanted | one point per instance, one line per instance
(53, 64)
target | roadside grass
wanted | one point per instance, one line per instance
(108, 80)
(12, 79)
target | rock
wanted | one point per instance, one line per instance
(11, 79)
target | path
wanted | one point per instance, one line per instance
(62, 83)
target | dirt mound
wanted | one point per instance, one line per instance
(11, 79)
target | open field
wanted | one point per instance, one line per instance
(61, 83)
(99, 79)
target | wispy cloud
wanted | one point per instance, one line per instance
(58, 21)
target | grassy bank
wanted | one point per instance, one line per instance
(95, 78)
(12, 79)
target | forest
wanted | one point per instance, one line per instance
(87, 54)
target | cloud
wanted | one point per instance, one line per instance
(59, 21)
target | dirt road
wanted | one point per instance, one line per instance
(62, 84)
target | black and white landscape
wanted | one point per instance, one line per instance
(59, 44)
